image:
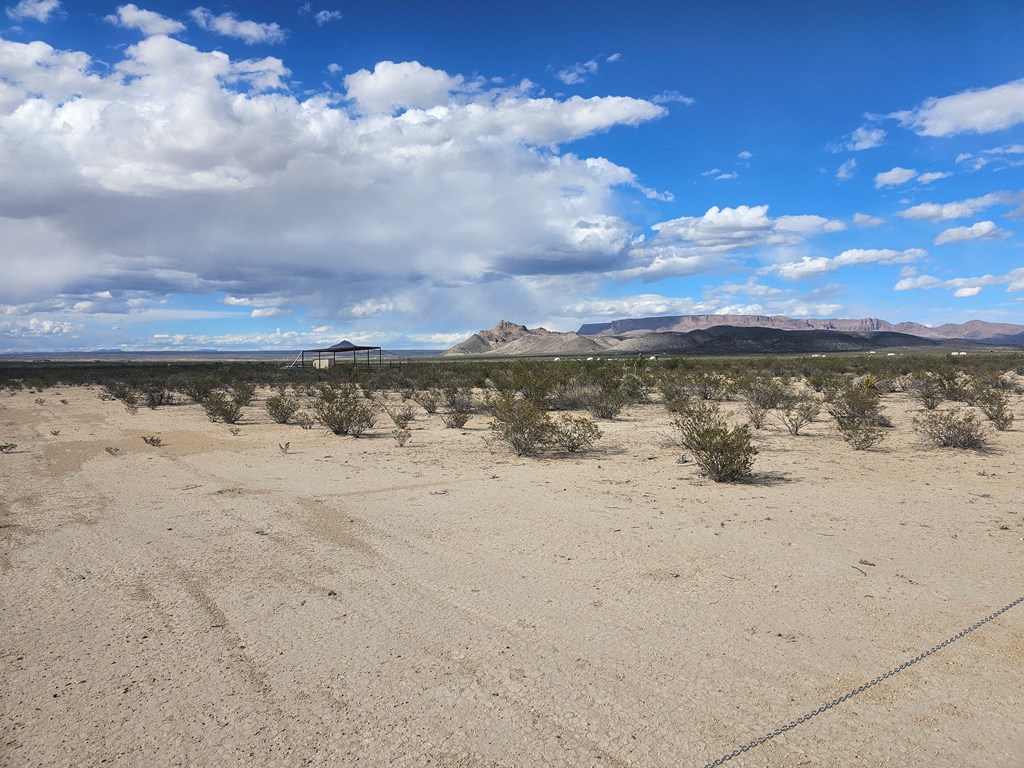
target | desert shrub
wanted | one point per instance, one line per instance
(344, 412)
(157, 395)
(761, 395)
(458, 398)
(124, 392)
(220, 407)
(711, 386)
(797, 410)
(995, 404)
(575, 432)
(926, 389)
(303, 419)
(952, 429)
(153, 440)
(723, 453)
(242, 392)
(856, 407)
(455, 419)
(197, 388)
(604, 401)
(569, 396)
(429, 400)
(401, 436)
(7, 447)
(633, 388)
(520, 423)
(281, 408)
(401, 415)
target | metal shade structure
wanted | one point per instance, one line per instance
(319, 358)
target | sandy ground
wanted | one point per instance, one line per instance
(215, 601)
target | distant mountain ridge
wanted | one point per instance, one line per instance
(973, 330)
(512, 340)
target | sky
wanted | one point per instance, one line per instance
(280, 175)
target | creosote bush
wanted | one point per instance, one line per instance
(520, 423)
(725, 454)
(220, 407)
(344, 411)
(926, 389)
(759, 397)
(429, 400)
(856, 407)
(994, 402)
(952, 429)
(456, 419)
(797, 410)
(281, 408)
(574, 433)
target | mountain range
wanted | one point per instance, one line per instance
(732, 334)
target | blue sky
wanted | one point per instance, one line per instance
(260, 175)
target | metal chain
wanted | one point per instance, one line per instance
(862, 688)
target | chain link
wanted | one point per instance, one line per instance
(835, 702)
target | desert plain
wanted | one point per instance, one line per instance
(217, 600)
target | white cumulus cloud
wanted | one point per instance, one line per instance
(866, 221)
(40, 10)
(894, 178)
(982, 230)
(130, 16)
(956, 210)
(578, 72)
(982, 110)
(229, 25)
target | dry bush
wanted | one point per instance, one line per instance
(926, 389)
(760, 396)
(219, 407)
(856, 407)
(344, 412)
(723, 453)
(520, 423)
(952, 429)
(303, 419)
(401, 436)
(797, 410)
(281, 408)
(7, 447)
(995, 404)
(575, 432)
(401, 415)
(455, 419)
(604, 401)
(429, 400)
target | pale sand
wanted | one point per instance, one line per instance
(216, 602)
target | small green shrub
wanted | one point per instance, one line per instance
(926, 389)
(952, 429)
(153, 440)
(219, 407)
(281, 408)
(401, 415)
(856, 408)
(304, 420)
(520, 423)
(455, 419)
(798, 410)
(575, 432)
(761, 395)
(725, 454)
(429, 400)
(605, 402)
(995, 404)
(242, 392)
(401, 436)
(344, 411)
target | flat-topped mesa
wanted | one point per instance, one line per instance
(974, 330)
